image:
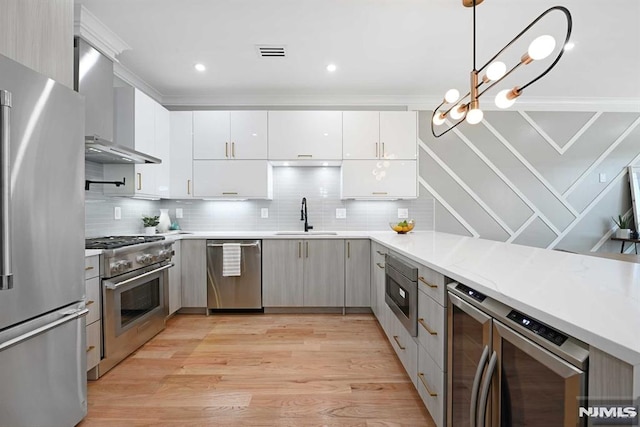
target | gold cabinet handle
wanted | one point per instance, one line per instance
(233, 150)
(380, 193)
(380, 265)
(348, 249)
(308, 156)
(88, 268)
(377, 155)
(426, 327)
(226, 149)
(307, 248)
(299, 249)
(395, 337)
(91, 347)
(426, 387)
(139, 181)
(89, 303)
(229, 193)
(189, 186)
(384, 152)
(427, 283)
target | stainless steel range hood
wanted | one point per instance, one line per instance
(101, 151)
(93, 78)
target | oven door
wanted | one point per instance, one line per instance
(134, 311)
(401, 295)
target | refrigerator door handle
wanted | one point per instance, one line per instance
(485, 389)
(476, 385)
(6, 273)
(69, 316)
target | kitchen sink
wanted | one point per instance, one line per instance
(308, 233)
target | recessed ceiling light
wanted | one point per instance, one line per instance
(325, 163)
(200, 67)
(569, 46)
(331, 68)
(285, 164)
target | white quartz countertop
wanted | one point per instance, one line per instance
(596, 300)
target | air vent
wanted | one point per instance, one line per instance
(271, 51)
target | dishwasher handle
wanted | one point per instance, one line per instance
(242, 245)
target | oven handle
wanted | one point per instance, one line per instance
(113, 286)
(485, 388)
(476, 385)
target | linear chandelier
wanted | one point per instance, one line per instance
(459, 109)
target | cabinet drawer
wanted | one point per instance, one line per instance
(93, 345)
(91, 266)
(405, 347)
(432, 283)
(432, 328)
(431, 387)
(93, 299)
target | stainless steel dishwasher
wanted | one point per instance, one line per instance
(240, 291)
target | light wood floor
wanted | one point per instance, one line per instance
(260, 370)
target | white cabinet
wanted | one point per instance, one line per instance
(181, 150)
(369, 135)
(357, 273)
(379, 179)
(247, 179)
(305, 135)
(221, 135)
(142, 124)
(295, 273)
(174, 291)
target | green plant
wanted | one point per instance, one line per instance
(622, 223)
(150, 221)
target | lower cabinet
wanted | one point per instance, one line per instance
(174, 291)
(357, 273)
(93, 304)
(193, 273)
(378, 253)
(295, 273)
(404, 344)
(431, 386)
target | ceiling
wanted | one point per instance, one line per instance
(386, 51)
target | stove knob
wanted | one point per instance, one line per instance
(143, 259)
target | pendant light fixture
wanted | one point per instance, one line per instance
(468, 107)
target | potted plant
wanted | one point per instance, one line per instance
(624, 227)
(150, 223)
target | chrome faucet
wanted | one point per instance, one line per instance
(304, 216)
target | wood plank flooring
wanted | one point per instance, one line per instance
(260, 370)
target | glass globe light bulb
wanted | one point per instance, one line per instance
(438, 119)
(474, 116)
(457, 112)
(502, 101)
(496, 70)
(541, 47)
(452, 96)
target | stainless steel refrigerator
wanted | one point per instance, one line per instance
(42, 325)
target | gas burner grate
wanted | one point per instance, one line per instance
(113, 242)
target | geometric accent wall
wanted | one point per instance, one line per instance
(532, 178)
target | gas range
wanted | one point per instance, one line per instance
(125, 254)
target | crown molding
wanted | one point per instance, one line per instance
(134, 80)
(91, 29)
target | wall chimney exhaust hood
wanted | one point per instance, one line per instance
(93, 78)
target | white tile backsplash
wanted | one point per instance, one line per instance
(320, 185)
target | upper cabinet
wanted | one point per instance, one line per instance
(142, 124)
(379, 179)
(181, 148)
(226, 135)
(305, 135)
(232, 179)
(370, 135)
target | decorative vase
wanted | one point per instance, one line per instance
(164, 221)
(623, 233)
(150, 230)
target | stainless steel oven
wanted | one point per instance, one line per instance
(506, 368)
(134, 289)
(401, 292)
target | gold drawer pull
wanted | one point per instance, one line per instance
(380, 265)
(395, 337)
(427, 283)
(88, 268)
(424, 383)
(379, 193)
(91, 347)
(307, 156)
(189, 186)
(229, 193)
(89, 303)
(428, 329)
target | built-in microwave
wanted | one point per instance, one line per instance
(401, 292)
